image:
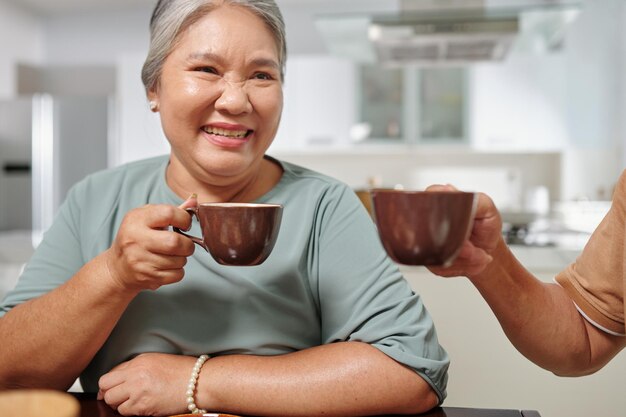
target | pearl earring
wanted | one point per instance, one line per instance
(153, 105)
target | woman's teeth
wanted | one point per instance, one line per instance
(226, 133)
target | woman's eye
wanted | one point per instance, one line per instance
(263, 76)
(208, 70)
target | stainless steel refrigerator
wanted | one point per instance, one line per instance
(47, 144)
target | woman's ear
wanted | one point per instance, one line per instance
(153, 101)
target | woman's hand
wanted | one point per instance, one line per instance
(145, 253)
(475, 254)
(151, 384)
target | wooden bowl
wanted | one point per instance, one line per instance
(38, 403)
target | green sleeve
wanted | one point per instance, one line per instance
(364, 297)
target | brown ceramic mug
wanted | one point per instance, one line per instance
(239, 234)
(423, 227)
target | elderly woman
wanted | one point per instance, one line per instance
(327, 325)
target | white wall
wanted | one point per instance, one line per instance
(593, 74)
(590, 173)
(139, 134)
(21, 40)
(95, 38)
(595, 70)
(572, 100)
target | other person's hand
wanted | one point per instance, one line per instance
(151, 384)
(486, 233)
(146, 254)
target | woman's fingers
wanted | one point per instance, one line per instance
(146, 253)
(168, 242)
(192, 201)
(111, 390)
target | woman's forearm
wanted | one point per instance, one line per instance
(339, 379)
(48, 341)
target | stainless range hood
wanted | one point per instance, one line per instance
(448, 32)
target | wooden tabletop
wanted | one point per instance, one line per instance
(90, 407)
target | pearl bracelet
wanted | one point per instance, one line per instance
(191, 387)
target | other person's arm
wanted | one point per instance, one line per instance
(539, 318)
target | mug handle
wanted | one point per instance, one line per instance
(193, 211)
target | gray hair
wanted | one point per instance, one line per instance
(172, 17)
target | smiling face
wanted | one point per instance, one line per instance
(220, 99)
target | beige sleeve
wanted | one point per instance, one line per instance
(596, 280)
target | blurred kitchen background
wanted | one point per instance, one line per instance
(522, 99)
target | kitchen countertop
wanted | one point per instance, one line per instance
(548, 259)
(16, 246)
(15, 250)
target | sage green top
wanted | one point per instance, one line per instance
(328, 278)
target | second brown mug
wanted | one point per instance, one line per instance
(423, 227)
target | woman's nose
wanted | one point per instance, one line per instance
(234, 98)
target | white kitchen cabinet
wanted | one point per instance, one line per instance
(319, 105)
(519, 104)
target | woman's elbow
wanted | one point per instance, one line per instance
(431, 401)
(423, 401)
